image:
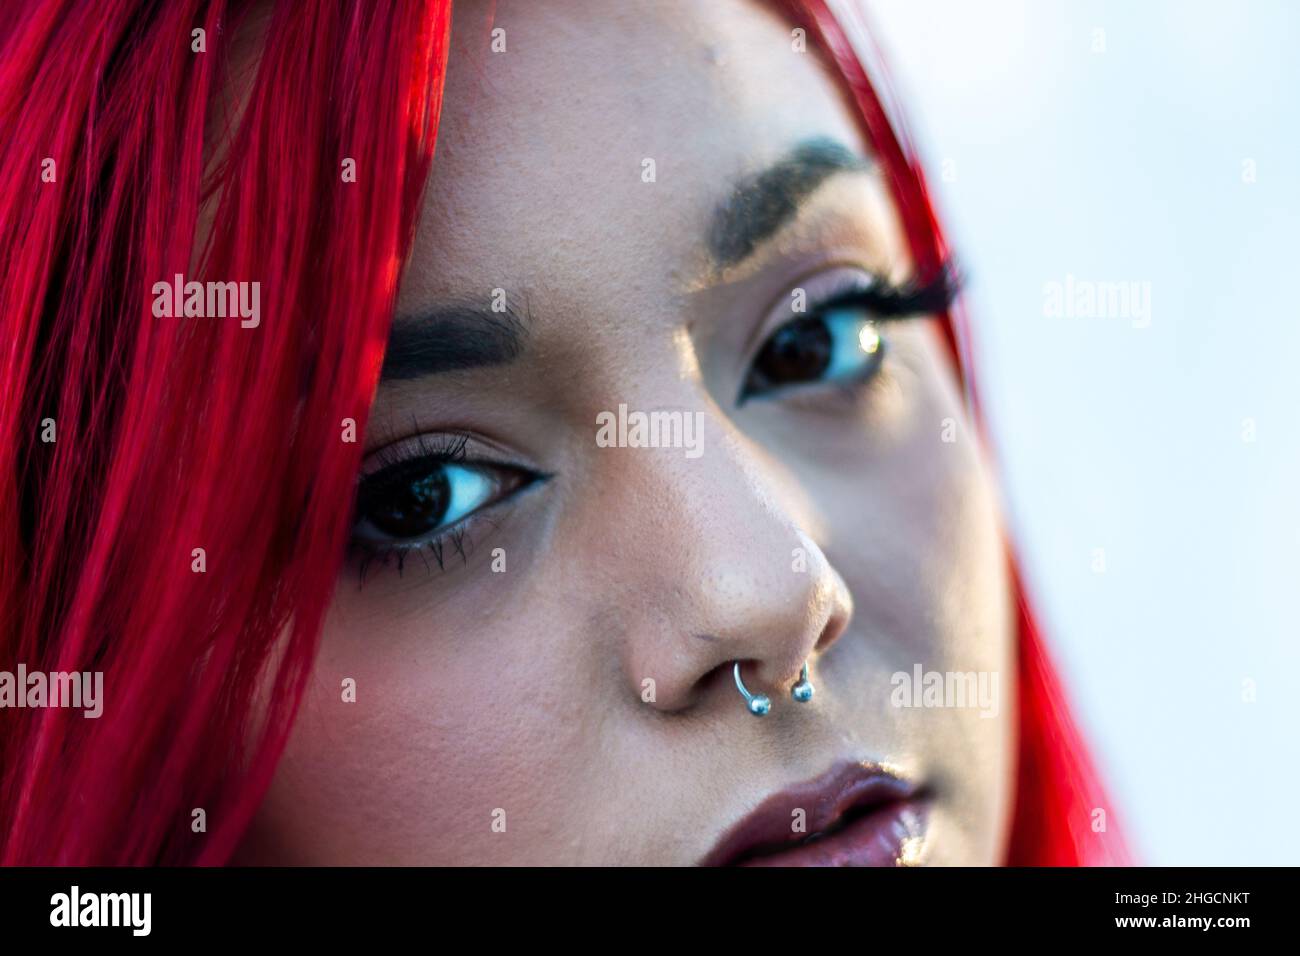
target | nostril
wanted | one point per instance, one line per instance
(830, 634)
(803, 690)
(837, 621)
(714, 682)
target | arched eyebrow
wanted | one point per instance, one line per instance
(761, 203)
(453, 338)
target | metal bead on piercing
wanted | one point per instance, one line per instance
(803, 690)
(758, 704)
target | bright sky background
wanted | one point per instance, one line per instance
(1129, 165)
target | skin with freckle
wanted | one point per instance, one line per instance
(502, 713)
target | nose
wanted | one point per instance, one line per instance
(729, 576)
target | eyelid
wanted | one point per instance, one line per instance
(449, 444)
(433, 446)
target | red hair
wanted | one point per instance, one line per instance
(231, 439)
(226, 438)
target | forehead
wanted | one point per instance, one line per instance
(545, 148)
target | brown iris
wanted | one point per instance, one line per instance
(799, 351)
(413, 507)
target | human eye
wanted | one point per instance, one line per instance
(422, 496)
(840, 338)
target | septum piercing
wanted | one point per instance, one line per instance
(803, 690)
(759, 704)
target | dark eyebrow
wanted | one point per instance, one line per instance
(453, 338)
(763, 202)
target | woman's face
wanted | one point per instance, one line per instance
(636, 209)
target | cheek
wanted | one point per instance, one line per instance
(454, 751)
(912, 521)
(965, 563)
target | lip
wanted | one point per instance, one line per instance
(856, 814)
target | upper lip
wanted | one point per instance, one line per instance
(827, 801)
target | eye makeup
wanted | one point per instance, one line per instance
(883, 300)
(838, 339)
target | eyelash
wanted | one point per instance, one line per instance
(910, 299)
(385, 553)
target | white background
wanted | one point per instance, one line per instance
(1127, 165)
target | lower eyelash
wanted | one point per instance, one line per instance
(454, 541)
(444, 547)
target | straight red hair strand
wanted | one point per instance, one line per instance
(172, 437)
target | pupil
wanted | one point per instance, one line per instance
(799, 351)
(415, 509)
